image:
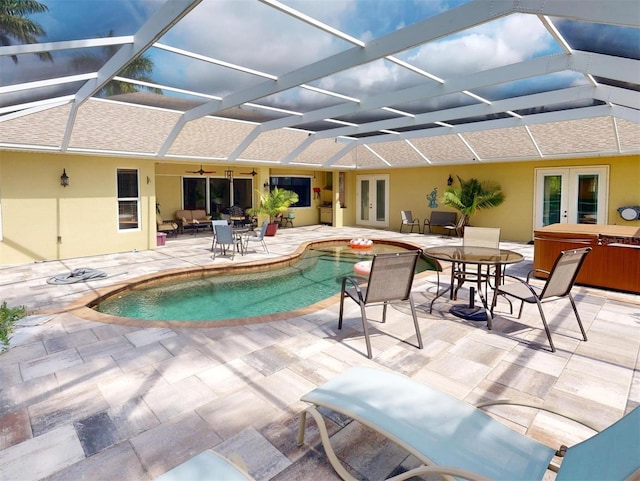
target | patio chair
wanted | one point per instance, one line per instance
(389, 280)
(225, 237)
(558, 285)
(408, 220)
(287, 220)
(476, 237)
(168, 227)
(206, 466)
(452, 437)
(457, 227)
(214, 223)
(257, 238)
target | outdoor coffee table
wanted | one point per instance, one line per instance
(473, 256)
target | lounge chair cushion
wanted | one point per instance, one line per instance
(203, 467)
(613, 454)
(437, 428)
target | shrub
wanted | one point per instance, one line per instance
(8, 318)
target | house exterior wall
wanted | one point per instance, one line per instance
(168, 195)
(41, 220)
(409, 188)
(36, 211)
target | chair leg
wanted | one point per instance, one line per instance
(326, 443)
(415, 322)
(264, 244)
(341, 308)
(494, 301)
(384, 312)
(365, 328)
(546, 326)
(301, 427)
(438, 293)
(575, 310)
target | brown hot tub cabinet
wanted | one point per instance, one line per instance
(614, 262)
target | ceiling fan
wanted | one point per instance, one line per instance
(253, 173)
(201, 171)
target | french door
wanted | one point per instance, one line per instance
(372, 196)
(575, 195)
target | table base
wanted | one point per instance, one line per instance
(469, 313)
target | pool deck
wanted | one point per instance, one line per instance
(81, 399)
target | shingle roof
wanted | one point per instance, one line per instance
(574, 98)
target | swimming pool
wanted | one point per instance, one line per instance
(315, 276)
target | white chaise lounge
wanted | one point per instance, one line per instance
(455, 438)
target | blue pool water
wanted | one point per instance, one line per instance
(316, 276)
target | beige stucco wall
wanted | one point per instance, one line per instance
(409, 188)
(41, 220)
(36, 210)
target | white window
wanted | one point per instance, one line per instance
(128, 199)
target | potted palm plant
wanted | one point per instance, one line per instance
(274, 203)
(472, 196)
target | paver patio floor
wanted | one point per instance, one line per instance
(87, 400)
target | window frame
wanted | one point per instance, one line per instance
(304, 198)
(128, 200)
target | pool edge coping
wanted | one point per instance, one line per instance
(83, 307)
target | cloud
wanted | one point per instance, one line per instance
(258, 37)
(270, 41)
(502, 42)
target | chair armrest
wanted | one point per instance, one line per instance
(536, 270)
(525, 283)
(354, 282)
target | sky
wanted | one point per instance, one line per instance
(248, 33)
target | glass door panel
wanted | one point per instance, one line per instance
(194, 193)
(363, 203)
(373, 200)
(552, 200)
(242, 193)
(587, 200)
(381, 200)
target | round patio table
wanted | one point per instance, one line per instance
(478, 256)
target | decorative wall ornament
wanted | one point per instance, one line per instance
(432, 198)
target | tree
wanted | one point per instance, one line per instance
(275, 202)
(14, 26)
(139, 68)
(472, 196)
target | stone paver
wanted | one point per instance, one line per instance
(42, 455)
(92, 401)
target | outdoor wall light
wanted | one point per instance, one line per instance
(64, 178)
(266, 184)
(450, 181)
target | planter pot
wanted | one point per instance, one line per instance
(271, 230)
